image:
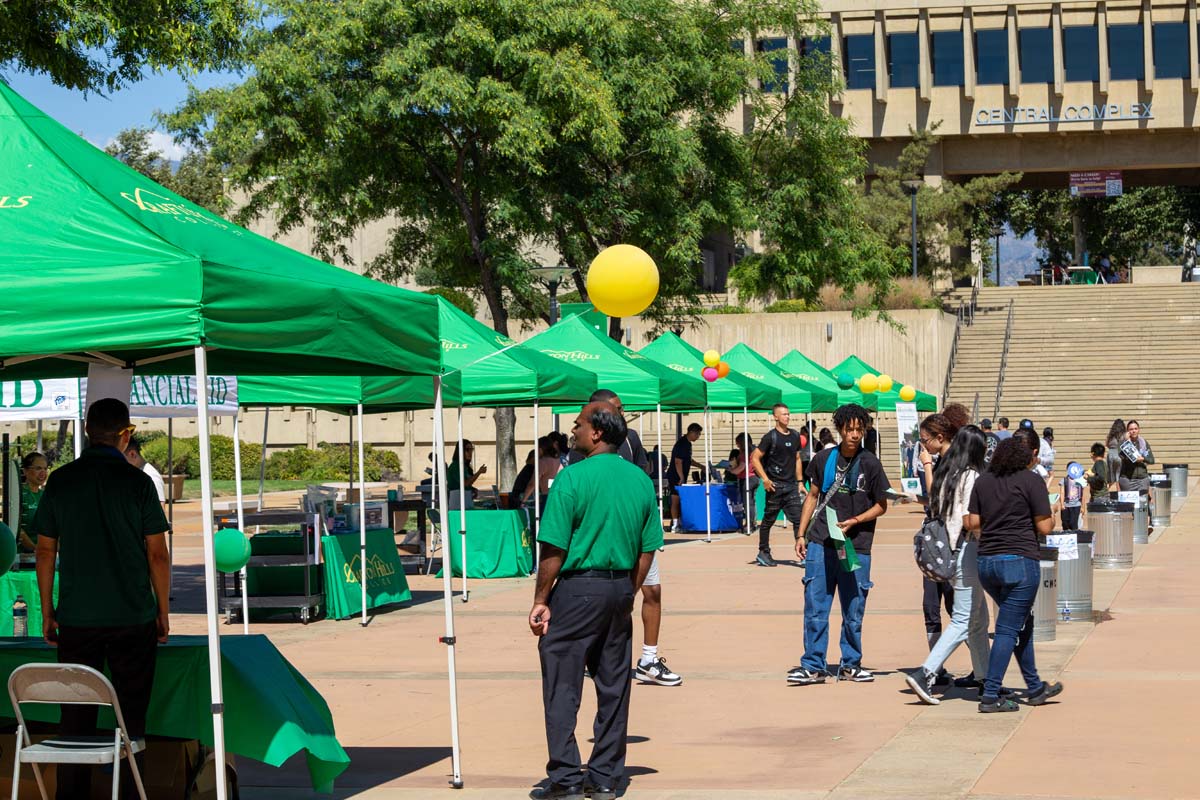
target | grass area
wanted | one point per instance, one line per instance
(191, 488)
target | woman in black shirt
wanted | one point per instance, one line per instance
(1010, 505)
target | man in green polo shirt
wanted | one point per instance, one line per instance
(599, 533)
(101, 519)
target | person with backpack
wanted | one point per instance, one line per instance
(847, 484)
(777, 461)
(947, 533)
(1009, 505)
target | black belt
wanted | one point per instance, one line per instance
(595, 573)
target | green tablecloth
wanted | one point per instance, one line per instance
(385, 574)
(24, 583)
(271, 711)
(498, 544)
(262, 581)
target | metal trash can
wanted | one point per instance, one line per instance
(1160, 504)
(1074, 574)
(1045, 604)
(1112, 524)
(1177, 474)
(1141, 518)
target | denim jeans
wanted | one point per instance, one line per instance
(1013, 583)
(968, 620)
(822, 575)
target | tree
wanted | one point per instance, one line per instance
(102, 46)
(197, 176)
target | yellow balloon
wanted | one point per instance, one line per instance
(712, 358)
(622, 281)
(886, 383)
(908, 394)
(868, 383)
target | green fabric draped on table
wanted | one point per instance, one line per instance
(271, 711)
(24, 583)
(498, 544)
(385, 574)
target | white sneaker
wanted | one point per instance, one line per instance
(657, 672)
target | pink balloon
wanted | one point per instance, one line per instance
(710, 374)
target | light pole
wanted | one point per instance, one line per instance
(911, 187)
(997, 231)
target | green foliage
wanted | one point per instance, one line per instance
(457, 297)
(791, 307)
(331, 462)
(27, 443)
(186, 457)
(104, 46)
(727, 309)
(198, 177)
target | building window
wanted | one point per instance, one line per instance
(1171, 58)
(947, 58)
(991, 56)
(903, 60)
(1081, 53)
(778, 50)
(1126, 53)
(859, 53)
(1036, 47)
(813, 46)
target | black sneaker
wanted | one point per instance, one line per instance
(657, 672)
(922, 683)
(764, 559)
(801, 676)
(557, 792)
(968, 681)
(1003, 704)
(942, 678)
(1048, 691)
(856, 674)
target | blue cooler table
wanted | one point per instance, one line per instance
(691, 508)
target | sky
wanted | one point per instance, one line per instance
(99, 118)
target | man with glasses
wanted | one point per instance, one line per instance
(101, 519)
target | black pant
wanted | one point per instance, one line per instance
(786, 497)
(935, 594)
(1070, 518)
(591, 625)
(129, 652)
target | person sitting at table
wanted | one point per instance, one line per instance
(35, 469)
(548, 467)
(524, 478)
(469, 473)
(100, 518)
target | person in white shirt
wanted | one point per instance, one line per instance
(953, 479)
(133, 454)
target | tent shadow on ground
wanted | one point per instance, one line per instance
(370, 767)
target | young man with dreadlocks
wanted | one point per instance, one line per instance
(849, 481)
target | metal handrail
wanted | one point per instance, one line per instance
(974, 302)
(958, 323)
(975, 407)
(1003, 359)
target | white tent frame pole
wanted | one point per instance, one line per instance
(40, 443)
(210, 575)
(708, 435)
(439, 457)
(537, 492)
(262, 466)
(79, 422)
(362, 516)
(746, 467)
(433, 501)
(658, 479)
(462, 506)
(241, 518)
(170, 508)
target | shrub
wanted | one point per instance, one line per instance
(27, 443)
(727, 309)
(456, 297)
(185, 454)
(790, 306)
(331, 462)
(904, 293)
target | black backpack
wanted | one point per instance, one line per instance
(932, 551)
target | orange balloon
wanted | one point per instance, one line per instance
(722, 369)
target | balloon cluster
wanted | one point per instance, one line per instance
(869, 384)
(714, 367)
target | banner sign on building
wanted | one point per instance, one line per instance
(153, 396)
(910, 448)
(1107, 183)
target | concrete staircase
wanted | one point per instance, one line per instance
(1081, 356)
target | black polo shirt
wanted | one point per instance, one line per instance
(101, 508)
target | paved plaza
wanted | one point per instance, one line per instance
(1124, 727)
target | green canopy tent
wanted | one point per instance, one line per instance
(799, 396)
(489, 370)
(798, 367)
(642, 383)
(855, 367)
(101, 265)
(732, 393)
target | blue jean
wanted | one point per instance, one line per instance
(1012, 581)
(822, 575)
(968, 620)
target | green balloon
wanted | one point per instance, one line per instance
(845, 380)
(8, 548)
(232, 549)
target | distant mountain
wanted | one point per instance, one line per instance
(1018, 257)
